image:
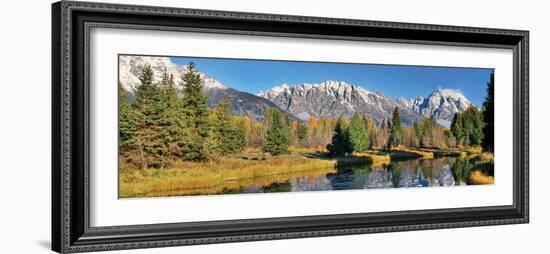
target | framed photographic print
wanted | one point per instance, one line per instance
(181, 126)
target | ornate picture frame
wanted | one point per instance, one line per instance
(71, 24)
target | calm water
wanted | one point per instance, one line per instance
(398, 174)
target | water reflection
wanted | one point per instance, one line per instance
(397, 174)
(379, 178)
(311, 183)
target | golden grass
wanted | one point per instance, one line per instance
(482, 159)
(376, 158)
(252, 167)
(405, 153)
(477, 177)
(486, 157)
(188, 178)
(307, 149)
(444, 152)
(472, 150)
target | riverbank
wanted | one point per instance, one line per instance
(255, 167)
(407, 152)
(188, 178)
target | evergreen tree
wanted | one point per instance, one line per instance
(358, 134)
(148, 114)
(396, 130)
(467, 127)
(239, 134)
(473, 125)
(126, 123)
(172, 121)
(457, 128)
(418, 130)
(167, 80)
(211, 146)
(195, 113)
(227, 132)
(341, 144)
(219, 129)
(277, 138)
(302, 134)
(488, 116)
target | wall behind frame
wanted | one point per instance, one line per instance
(25, 125)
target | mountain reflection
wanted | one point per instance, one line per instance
(448, 171)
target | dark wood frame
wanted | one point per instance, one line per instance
(71, 22)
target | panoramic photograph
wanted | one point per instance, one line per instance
(208, 126)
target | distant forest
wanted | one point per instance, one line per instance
(161, 124)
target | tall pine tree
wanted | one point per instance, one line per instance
(239, 134)
(396, 130)
(457, 128)
(173, 120)
(358, 134)
(489, 116)
(227, 132)
(341, 143)
(277, 138)
(473, 125)
(302, 134)
(195, 113)
(467, 127)
(147, 107)
(126, 123)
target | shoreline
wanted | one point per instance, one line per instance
(194, 178)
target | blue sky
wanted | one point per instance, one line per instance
(395, 81)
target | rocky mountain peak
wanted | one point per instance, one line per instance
(130, 66)
(442, 104)
(330, 98)
(335, 99)
(242, 103)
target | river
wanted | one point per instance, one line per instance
(448, 171)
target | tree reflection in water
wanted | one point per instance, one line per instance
(446, 171)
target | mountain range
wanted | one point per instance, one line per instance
(301, 101)
(442, 104)
(242, 103)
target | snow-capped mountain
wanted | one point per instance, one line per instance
(442, 104)
(337, 99)
(130, 66)
(242, 103)
(326, 99)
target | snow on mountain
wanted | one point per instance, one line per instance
(242, 103)
(326, 99)
(336, 99)
(442, 104)
(340, 99)
(130, 66)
